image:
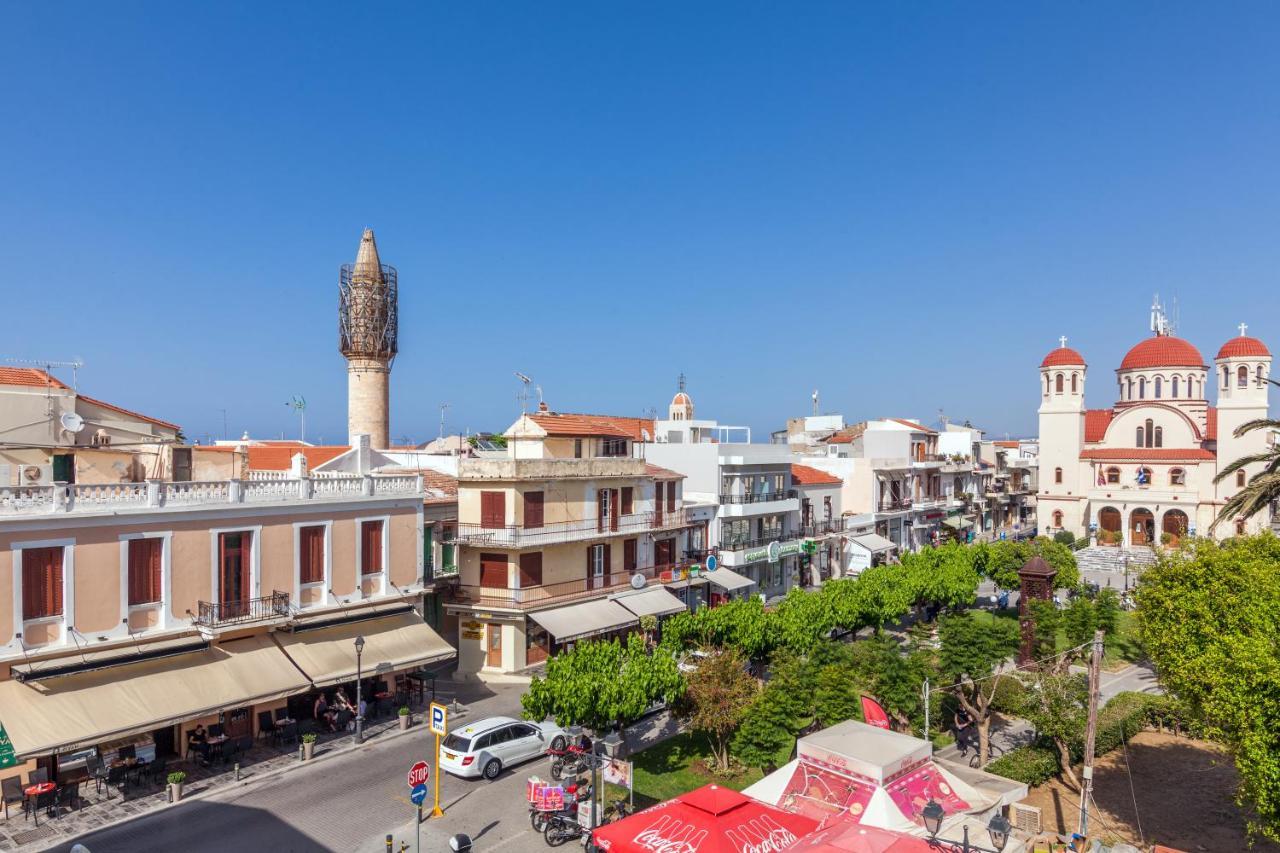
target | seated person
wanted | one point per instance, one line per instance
(321, 708)
(199, 740)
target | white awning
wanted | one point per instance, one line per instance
(654, 601)
(585, 619)
(328, 655)
(729, 580)
(874, 542)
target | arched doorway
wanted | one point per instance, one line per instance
(1142, 527)
(1109, 526)
(1175, 524)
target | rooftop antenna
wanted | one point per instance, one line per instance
(1159, 320)
(523, 396)
(49, 365)
(942, 419)
(815, 402)
(680, 381)
(1173, 325)
(443, 406)
(299, 405)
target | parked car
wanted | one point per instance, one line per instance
(486, 746)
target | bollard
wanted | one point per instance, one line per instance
(237, 771)
(300, 756)
(389, 840)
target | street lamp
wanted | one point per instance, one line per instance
(359, 709)
(998, 828)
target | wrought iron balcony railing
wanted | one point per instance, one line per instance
(219, 614)
(513, 536)
(546, 595)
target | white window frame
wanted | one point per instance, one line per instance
(598, 568)
(255, 559)
(386, 554)
(166, 577)
(327, 582)
(66, 621)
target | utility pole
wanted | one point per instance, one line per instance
(1090, 734)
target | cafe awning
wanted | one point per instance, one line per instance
(874, 542)
(584, 620)
(726, 579)
(654, 601)
(111, 702)
(328, 654)
(957, 523)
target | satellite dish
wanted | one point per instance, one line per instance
(638, 581)
(71, 422)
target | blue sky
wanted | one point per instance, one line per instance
(902, 205)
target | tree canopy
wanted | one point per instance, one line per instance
(1210, 619)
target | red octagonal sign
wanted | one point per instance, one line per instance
(418, 774)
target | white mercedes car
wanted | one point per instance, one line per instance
(486, 746)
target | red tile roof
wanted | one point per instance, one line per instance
(267, 458)
(1211, 427)
(28, 376)
(104, 404)
(848, 434)
(1007, 443)
(1162, 351)
(1061, 357)
(1155, 454)
(912, 424)
(660, 473)
(803, 475)
(1096, 422)
(570, 424)
(1244, 346)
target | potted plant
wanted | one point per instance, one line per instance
(175, 780)
(405, 719)
(308, 745)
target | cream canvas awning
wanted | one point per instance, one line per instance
(79, 709)
(654, 601)
(729, 580)
(328, 655)
(585, 619)
(874, 542)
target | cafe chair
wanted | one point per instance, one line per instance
(69, 796)
(129, 751)
(282, 713)
(266, 725)
(215, 729)
(157, 770)
(97, 772)
(118, 776)
(11, 789)
(38, 776)
(288, 732)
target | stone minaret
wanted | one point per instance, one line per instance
(367, 336)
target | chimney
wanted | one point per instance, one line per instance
(298, 466)
(364, 453)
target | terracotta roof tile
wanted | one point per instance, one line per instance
(912, 424)
(29, 376)
(266, 458)
(1162, 351)
(803, 475)
(660, 473)
(1211, 426)
(1154, 454)
(1061, 357)
(571, 424)
(1244, 346)
(1096, 422)
(1007, 443)
(104, 404)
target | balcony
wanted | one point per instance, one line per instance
(894, 505)
(928, 460)
(761, 497)
(928, 502)
(767, 503)
(225, 614)
(823, 528)
(471, 470)
(565, 592)
(555, 533)
(449, 571)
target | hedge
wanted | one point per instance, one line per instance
(1033, 765)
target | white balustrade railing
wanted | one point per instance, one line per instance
(86, 495)
(269, 475)
(196, 492)
(270, 490)
(397, 484)
(16, 499)
(335, 487)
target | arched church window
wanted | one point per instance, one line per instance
(1159, 387)
(1046, 385)
(1174, 392)
(1242, 377)
(1159, 436)
(1057, 518)
(1262, 382)
(1113, 475)
(1226, 379)
(1057, 475)
(1177, 477)
(1142, 388)
(1240, 478)
(1128, 389)
(1075, 383)
(1057, 383)
(1240, 531)
(1150, 432)
(1144, 476)
(1141, 441)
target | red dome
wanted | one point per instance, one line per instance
(1162, 351)
(1062, 356)
(1243, 346)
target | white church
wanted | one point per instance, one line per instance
(1141, 471)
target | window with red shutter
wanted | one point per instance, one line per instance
(530, 569)
(41, 582)
(144, 570)
(371, 562)
(311, 554)
(671, 496)
(532, 509)
(614, 504)
(629, 555)
(628, 500)
(493, 510)
(493, 570)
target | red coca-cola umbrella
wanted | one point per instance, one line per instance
(849, 837)
(709, 820)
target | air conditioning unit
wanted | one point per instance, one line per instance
(1026, 818)
(36, 475)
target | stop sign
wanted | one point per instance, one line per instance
(418, 774)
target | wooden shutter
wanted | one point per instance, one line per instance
(41, 582)
(311, 554)
(628, 500)
(629, 555)
(608, 563)
(493, 570)
(493, 509)
(371, 534)
(614, 505)
(530, 569)
(533, 509)
(671, 496)
(590, 566)
(144, 570)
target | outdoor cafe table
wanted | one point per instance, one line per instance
(34, 792)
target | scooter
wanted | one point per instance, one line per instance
(572, 762)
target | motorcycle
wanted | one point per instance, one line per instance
(564, 827)
(538, 818)
(572, 761)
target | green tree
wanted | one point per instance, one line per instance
(882, 595)
(768, 728)
(1209, 617)
(1046, 621)
(968, 660)
(601, 684)
(1079, 621)
(1263, 488)
(1058, 706)
(1106, 609)
(716, 699)
(943, 576)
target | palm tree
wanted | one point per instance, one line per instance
(1263, 488)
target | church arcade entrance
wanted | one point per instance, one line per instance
(1174, 524)
(1142, 527)
(1109, 521)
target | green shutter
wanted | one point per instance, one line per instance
(426, 550)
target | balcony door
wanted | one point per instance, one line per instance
(233, 576)
(598, 558)
(664, 552)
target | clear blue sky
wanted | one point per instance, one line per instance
(900, 204)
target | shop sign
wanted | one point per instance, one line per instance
(786, 549)
(8, 756)
(755, 555)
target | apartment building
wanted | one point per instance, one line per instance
(1010, 494)
(130, 612)
(569, 534)
(822, 524)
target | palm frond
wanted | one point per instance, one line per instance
(1262, 491)
(1270, 457)
(1256, 423)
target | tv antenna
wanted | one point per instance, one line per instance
(815, 402)
(49, 365)
(443, 406)
(299, 405)
(523, 396)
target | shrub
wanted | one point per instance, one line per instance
(1010, 697)
(177, 777)
(1032, 765)
(309, 737)
(404, 711)
(1065, 537)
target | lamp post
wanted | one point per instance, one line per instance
(359, 709)
(998, 828)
